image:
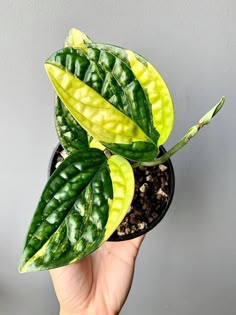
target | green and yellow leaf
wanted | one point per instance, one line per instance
(122, 178)
(158, 95)
(72, 136)
(152, 84)
(124, 79)
(99, 117)
(76, 38)
(79, 208)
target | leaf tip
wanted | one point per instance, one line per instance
(22, 267)
(76, 38)
(53, 71)
(27, 266)
(221, 103)
(48, 67)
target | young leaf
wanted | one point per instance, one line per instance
(75, 207)
(192, 132)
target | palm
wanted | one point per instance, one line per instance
(100, 282)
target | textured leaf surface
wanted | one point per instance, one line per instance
(102, 120)
(122, 177)
(158, 95)
(72, 213)
(152, 84)
(72, 136)
(119, 84)
(127, 81)
(82, 204)
(120, 77)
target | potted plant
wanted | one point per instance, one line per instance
(113, 114)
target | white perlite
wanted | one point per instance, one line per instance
(162, 167)
(161, 193)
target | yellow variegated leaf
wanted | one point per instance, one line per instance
(96, 144)
(96, 115)
(122, 178)
(158, 95)
(76, 38)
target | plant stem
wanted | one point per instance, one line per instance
(190, 134)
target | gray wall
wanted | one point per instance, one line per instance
(187, 264)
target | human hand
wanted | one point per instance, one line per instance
(98, 284)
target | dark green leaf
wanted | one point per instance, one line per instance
(70, 219)
(72, 136)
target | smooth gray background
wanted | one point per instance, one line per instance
(187, 264)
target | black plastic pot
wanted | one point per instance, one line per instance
(171, 185)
